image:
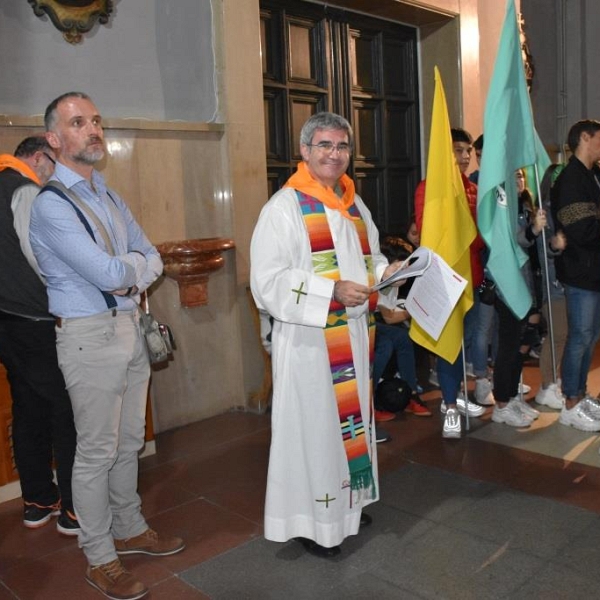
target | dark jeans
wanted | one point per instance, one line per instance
(42, 426)
(390, 339)
(509, 362)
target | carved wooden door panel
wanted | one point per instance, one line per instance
(385, 118)
(297, 80)
(319, 58)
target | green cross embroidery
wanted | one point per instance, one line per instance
(327, 500)
(299, 292)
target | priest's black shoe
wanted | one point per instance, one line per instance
(365, 519)
(317, 550)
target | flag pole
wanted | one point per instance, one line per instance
(465, 390)
(547, 278)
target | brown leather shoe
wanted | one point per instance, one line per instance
(149, 542)
(115, 582)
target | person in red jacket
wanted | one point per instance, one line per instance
(450, 375)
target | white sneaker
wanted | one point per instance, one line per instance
(483, 392)
(433, 378)
(474, 409)
(452, 427)
(469, 369)
(550, 396)
(512, 415)
(527, 410)
(524, 388)
(592, 405)
(579, 417)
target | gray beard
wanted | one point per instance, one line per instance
(89, 158)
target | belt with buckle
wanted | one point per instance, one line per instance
(58, 321)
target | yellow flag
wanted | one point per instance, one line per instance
(448, 228)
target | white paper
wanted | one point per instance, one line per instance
(416, 264)
(434, 295)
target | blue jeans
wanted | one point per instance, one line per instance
(390, 339)
(478, 335)
(449, 374)
(449, 377)
(583, 322)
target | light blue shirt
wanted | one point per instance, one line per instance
(76, 267)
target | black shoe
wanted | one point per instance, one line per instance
(365, 519)
(35, 515)
(67, 523)
(381, 435)
(317, 550)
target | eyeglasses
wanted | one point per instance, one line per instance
(49, 158)
(329, 147)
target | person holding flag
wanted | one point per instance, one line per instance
(448, 192)
(511, 143)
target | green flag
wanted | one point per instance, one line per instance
(510, 144)
(535, 173)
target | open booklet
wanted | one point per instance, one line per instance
(435, 292)
(416, 264)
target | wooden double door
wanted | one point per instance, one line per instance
(317, 58)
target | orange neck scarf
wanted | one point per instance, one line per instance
(10, 162)
(304, 182)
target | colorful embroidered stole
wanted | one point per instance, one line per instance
(337, 337)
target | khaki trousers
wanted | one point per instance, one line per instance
(106, 369)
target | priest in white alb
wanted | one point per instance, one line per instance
(314, 257)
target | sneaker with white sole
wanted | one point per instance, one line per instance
(483, 392)
(452, 426)
(511, 415)
(36, 515)
(474, 409)
(550, 397)
(579, 417)
(67, 523)
(593, 405)
(524, 388)
(381, 435)
(469, 370)
(527, 410)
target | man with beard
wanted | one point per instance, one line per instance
(96, 261)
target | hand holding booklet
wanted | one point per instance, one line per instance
(415, 265)
(434, 294)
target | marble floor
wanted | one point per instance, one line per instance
(486, 516)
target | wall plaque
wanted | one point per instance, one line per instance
(73, 17)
